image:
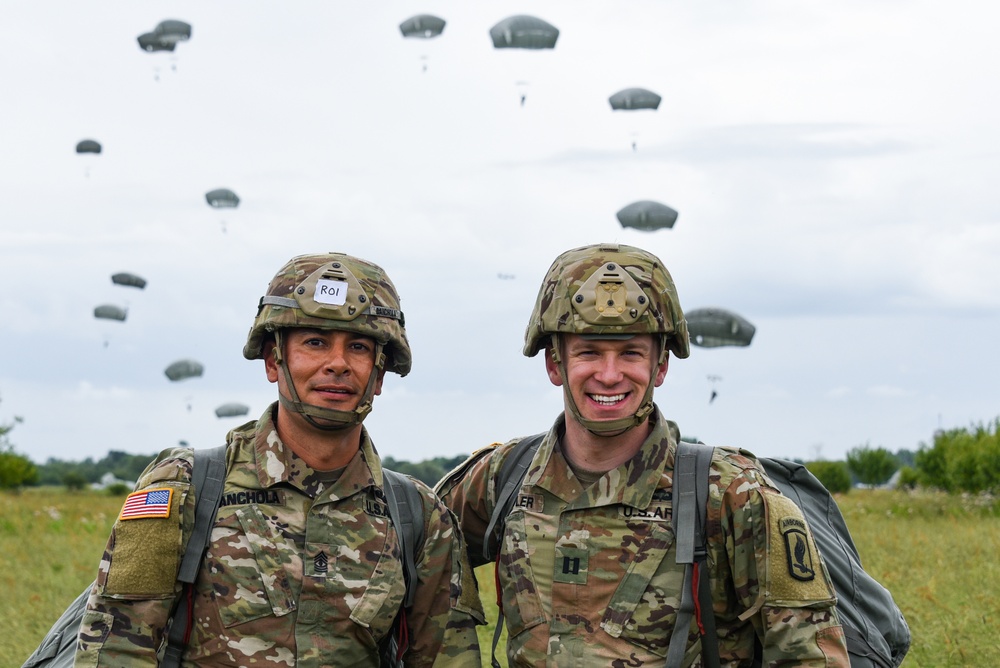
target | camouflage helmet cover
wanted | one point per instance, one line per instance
(333, 291)
(607, 289)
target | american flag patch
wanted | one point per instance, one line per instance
(150, 503)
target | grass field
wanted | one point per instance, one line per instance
(936, 553)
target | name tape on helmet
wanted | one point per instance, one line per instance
(330, 292)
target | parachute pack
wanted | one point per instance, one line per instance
(58, 647)
(876, 632)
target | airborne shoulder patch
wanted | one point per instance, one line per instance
(147, 503)
(795, 572)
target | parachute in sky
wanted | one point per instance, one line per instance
(716, 327)
(186, 368)
(222, 198)
(110, 312)
(150, 42)
(172, 31)
(647, 215)
(128, 280)
(524, 32)
(231, 410)
(422, 26)
(88, 146)
(634, 98)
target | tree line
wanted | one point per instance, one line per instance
(957, 460)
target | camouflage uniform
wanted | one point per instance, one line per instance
(588, 576)
(299, 572)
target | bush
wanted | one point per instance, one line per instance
(833, 475)
(16, 470)
(871, 466)
(963, 460)
(74, 481)
(117, 489)
(909, 478)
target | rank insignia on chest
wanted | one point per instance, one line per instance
(797, 552)
(147, 503)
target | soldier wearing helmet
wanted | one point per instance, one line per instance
(305, 563)
(585, 551)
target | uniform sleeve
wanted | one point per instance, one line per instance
(466, 491)
(446, 607)
(136, 584)
(769, 571)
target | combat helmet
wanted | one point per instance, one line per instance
(332, 291)
(607, 291)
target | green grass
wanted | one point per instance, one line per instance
(936, 553)
(54, 539)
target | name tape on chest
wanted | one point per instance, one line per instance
(269, 497)
(147, 503)
(530, 502)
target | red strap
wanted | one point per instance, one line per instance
(189, 604)
(695, 578)
(404, 635)
(496, 580)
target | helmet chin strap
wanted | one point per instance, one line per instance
(606, 428)
(332, 419)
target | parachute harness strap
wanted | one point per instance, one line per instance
(339, 419)
(599, 427)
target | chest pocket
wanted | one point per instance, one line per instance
(379, 591)
(251, 561)
(521, 604)
(644, 606)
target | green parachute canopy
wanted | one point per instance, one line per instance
(647, 215)
(110, 312)
(232, 410)
(524, 32)
(150, 42)
(422, 26)
(634, 98)
(88, 146)
(182, 369)
(716, 327)
(128, 280)
(171, 31)
(222, 198)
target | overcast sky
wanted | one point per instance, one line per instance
(832, 163)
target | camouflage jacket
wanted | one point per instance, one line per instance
(298, 572)
(589, 577)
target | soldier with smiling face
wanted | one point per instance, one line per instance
(586, 558)
(304, 566)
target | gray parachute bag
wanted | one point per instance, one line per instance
(877, 634)
(58, 647)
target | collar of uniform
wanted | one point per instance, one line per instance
(276, 463)
(632, 483)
